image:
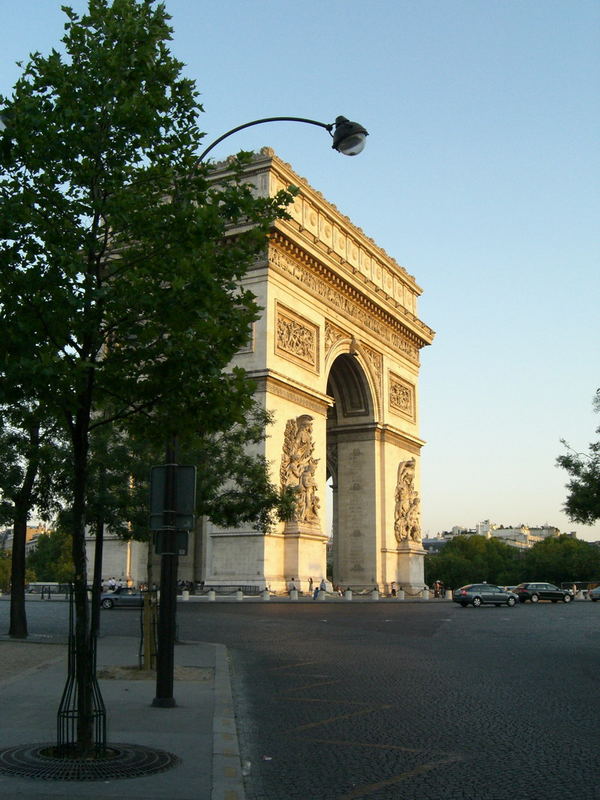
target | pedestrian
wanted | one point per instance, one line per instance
(393, 588)
(316, 593)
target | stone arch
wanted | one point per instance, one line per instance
(335, 359)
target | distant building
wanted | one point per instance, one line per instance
(434, 545)
(521, 536)
(31, 537)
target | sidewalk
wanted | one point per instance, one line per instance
(200, 730)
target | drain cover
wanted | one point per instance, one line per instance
(121, 761)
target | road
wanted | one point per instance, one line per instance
(402, 701)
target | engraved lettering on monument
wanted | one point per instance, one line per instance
(298, 468)
(407, 527)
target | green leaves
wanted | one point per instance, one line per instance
(583, 498)
(121, 305)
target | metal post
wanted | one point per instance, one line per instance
(168, 589)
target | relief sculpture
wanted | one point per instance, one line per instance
(407, 526)
(298, 467)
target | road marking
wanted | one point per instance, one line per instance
(326, 700)
(371, 745)
(292, 666)
(310, 725)
(312, 686)
(365, 791)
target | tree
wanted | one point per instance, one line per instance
(563, 558)
(30, 453)
(469, 559)
(583, 498)
(52, 558)
(119, 274)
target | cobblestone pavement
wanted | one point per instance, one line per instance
(414, 702)
(389, 701)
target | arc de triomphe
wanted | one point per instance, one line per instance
(335, 357)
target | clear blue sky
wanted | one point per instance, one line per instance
(480, 176)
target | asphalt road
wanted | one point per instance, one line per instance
(393, 701)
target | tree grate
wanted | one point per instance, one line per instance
(119, 761)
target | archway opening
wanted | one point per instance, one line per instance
(350, 464)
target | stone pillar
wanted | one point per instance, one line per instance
(358, 523)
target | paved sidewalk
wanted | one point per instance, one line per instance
(200, 730)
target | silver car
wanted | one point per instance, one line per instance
(123, 596)
(478, 594)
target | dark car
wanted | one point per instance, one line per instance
(477, 594)
(542, 591)
(594, 594)
(123, 596)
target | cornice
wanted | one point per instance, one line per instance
(382, 433)
(318, 226)
(272, 383)
(287, 257)
(285, 171)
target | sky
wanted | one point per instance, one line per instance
(480, 177)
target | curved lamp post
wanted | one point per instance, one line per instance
(349, 139)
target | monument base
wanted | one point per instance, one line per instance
(411, 568)
(304, 555)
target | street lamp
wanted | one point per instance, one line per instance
(349, 139)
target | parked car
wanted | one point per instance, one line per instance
(594, 594)
(123, 596)
(477, 594)
(542, 591)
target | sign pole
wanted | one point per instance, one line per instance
(168, 586)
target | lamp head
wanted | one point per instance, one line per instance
(349, 138)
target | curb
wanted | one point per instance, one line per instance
(227, 780)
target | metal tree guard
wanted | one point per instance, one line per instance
(68, 714)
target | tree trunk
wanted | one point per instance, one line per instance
(22, 503)
(18, 616)
(84, 664)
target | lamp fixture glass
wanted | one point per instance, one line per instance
(349, 138)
